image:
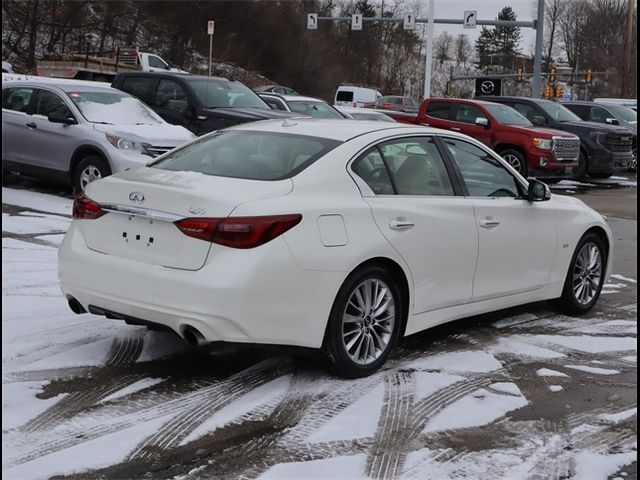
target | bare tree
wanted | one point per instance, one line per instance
(554, 9)
(463, 49)
(442, 47)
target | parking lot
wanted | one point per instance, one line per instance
(523, 393)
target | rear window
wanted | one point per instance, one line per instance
(344, 96)
(248, 154)
(314, 109)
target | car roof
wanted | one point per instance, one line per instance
(63, 84)
(173, 74)
(297, 98)
(335, 129)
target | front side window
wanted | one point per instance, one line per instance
(416, 167)
(169, 90)
(599, 114)
(48, 102)
(468, 114)
(505, 115)
(113, 108)
(372, 169)
(314, 109)
(157, 62)
(16, 98)
(558, 112)
(527, 111)
(483, 174)
(250, 155)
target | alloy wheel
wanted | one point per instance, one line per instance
(514, 161)
(587, 273)
(89, 174)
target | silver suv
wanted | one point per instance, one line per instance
(79, 131)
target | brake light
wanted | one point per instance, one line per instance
(238, 232)
(386, 106)
(85, 208)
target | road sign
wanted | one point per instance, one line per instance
(469, 19)
(312, 21)
(356, 21)
(409, 21)
(489, 86)
(210, 27)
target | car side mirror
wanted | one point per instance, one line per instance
(61, 117)
(482, 122)
(612, 121)
(539, 120)
(538, 191)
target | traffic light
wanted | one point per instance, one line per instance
(589, 76)
(548, 92)
(553, 76)
(559, 91)
(519, 75)
(448, 89)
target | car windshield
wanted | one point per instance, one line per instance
(559, 113)
(115, 107)
(624, 113)
(248, 154)
(314, 109)
(380, 117)
(222, 93)
(505, 115)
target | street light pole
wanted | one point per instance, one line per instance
(429, 62)
(537, 62)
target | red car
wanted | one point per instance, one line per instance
(535, 151)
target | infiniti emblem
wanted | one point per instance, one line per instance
(137, 197)
(196, 210)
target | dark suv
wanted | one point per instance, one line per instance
(200, 104)
(604, 149)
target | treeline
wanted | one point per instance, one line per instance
(269, 37)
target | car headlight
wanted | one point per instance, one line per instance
(543, 143)
(598, 136)
(122, 143)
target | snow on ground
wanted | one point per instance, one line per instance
(85, 394)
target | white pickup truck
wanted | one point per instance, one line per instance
(101, 68)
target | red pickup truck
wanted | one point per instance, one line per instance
(535, 151)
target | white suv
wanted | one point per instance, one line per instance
(79, 131)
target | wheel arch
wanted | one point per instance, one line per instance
(81, 152)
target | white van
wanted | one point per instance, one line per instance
(353, 96)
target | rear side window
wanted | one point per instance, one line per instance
(443, 110)
(248, 154)
(371, 168)
(16, 98)
(141, 87)
(274, 103)
(169, 90)
(344, 96)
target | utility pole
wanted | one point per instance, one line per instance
(428, 63)
(625, 91)
(537, 63)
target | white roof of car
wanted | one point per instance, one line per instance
(336, 129)
(63, 83)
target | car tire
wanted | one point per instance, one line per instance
(517, 160)
(579, 293)
(90, 168)
(358, 340)
(581, 170)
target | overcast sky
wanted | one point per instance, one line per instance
(487, 10)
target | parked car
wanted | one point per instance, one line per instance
(608, 113)
(275, 89)
(365, 114)
(200, 104)
(78, 132)
(397, 103)
(85, 66)
(237, 237)
(7, 67)
(307, 106)
(534, 151)
(631, 103)
(604, 150)
(355, 96)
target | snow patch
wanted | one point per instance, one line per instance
(470, 361)
(555, 388)
(338, 468)
(596, 370)
(623, 278)
(594, 466)
(591, 344)
(20, 404)
(545, 372)
(428, 383)
(618, 417)
(510, 345)
(133, 388)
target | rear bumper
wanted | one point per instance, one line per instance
(255, 296)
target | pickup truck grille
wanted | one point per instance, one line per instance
(566, 149)
(154, 151)
(619, 142)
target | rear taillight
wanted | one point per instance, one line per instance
(85, 208)
(238, 232)
(386, 106)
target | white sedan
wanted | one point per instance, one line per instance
(341, 235)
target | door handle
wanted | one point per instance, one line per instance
(401, 223)
(456, 129)
(32, 125)
(489, 222)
